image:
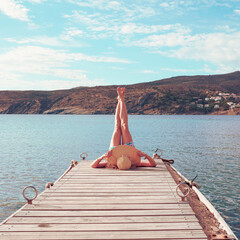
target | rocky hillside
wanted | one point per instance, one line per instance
(178, 95)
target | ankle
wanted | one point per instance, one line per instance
(120, 99)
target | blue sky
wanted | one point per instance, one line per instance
(57, 44)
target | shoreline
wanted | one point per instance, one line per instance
(222, 113)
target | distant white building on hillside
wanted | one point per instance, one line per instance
(218, 98)
(224, 94)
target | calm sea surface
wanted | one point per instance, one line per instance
(36, 149)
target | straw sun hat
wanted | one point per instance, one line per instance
(123, 157)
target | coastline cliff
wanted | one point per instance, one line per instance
(203, 94)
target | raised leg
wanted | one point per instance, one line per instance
(116, 137)
(126, 135)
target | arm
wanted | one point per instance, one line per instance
(97, 164)
(150, 163)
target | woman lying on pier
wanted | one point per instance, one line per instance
(125, 155)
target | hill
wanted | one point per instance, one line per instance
(212, 94)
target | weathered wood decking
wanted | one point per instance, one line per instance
(107, 204)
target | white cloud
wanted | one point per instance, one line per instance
(132, 28)
(108, 5)
(113, 5)
(85, 18)
(36, 1)
(127, 10)
(101, 4)
(220, 49)
(47, 63)
(82, 57)
(237, 11)
(66, 39)
(149, 72)
(225, 28)
(179, 70)
(38, 61)
(14, 9)
(194, 4)
(117, 68)
(18, 83)
(42, 40)
(206, 69)
(99, 26)
(164, 4)
(141, 11)
(52, 57)
(73, 32)
(165, 40)
(7, 78)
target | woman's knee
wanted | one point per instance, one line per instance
(124, 127)
(117, 128)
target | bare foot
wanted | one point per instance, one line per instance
(123, 90)
(120, 94)
(119, 91)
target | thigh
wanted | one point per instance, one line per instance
(116, 138)
(126, 135)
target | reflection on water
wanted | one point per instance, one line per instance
(36, 149)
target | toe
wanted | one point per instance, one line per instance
(119, 91)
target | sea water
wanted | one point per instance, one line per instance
(36, 149)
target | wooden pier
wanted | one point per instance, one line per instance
(93, 204)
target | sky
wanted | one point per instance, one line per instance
(62, 44)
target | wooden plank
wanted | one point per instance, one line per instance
(90, 185)
(116, 180)
(143, 175)
(107, 190)
(133, 235)
(100, 227)
(91, 176)
(159, 176)
(96, 220)
(71, 187)
(117, 173)
(142, 170)
(112, 186)
(110, 202)
(86, 169)
(107, 206)
(107, 175)
(110, 197)
(113, 194)
(120, 185)
(123, 182)
(79, 213)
